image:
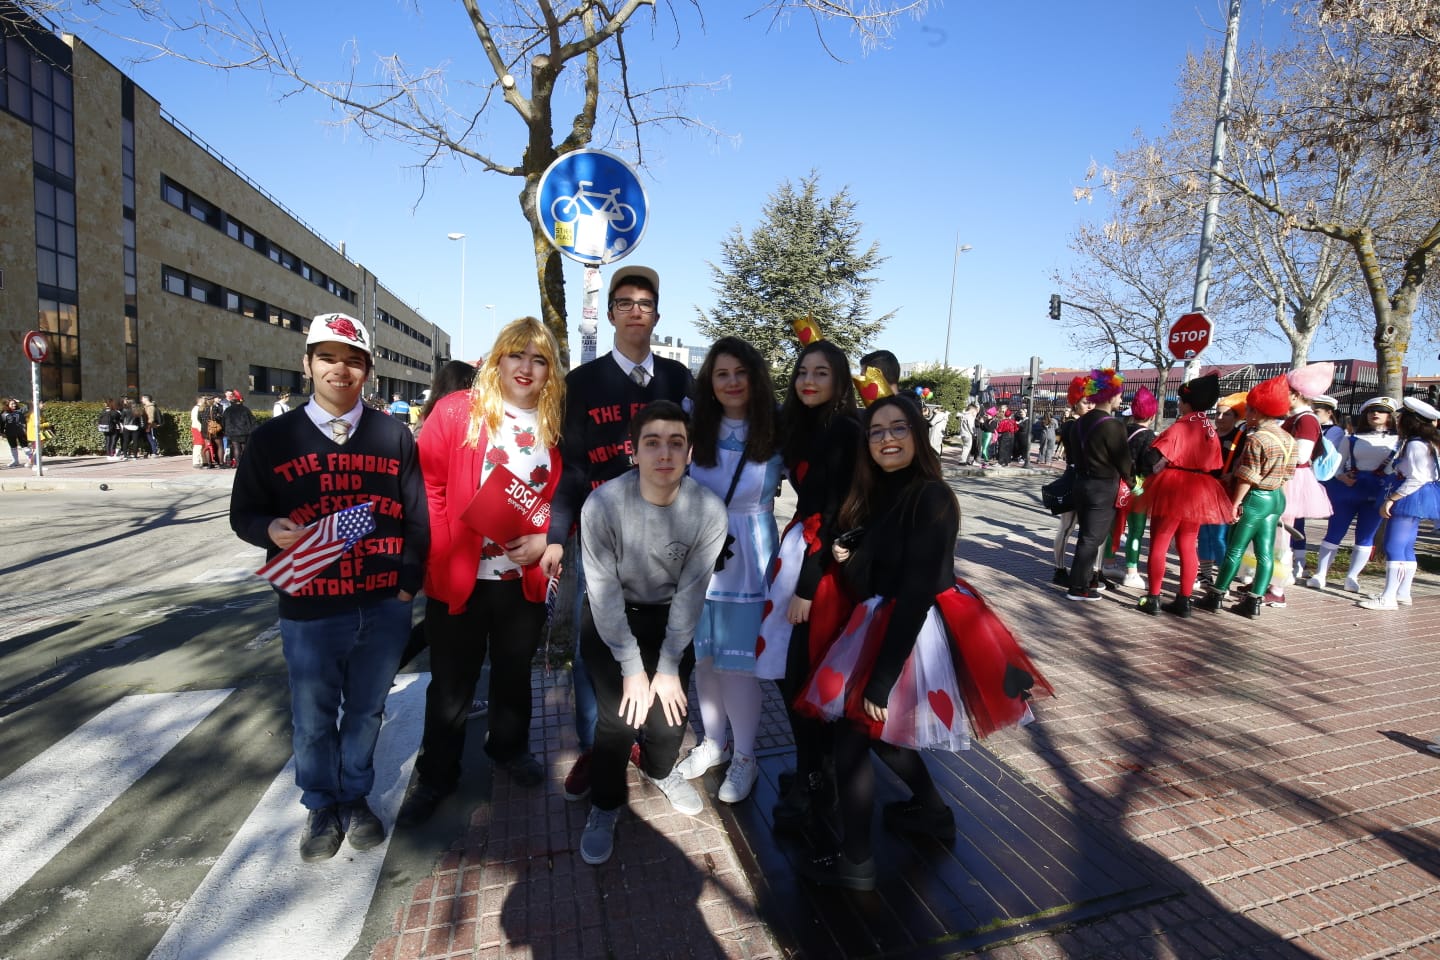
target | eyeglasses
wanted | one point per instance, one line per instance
(625, 305)
(899, 431)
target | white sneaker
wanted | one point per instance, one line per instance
(707, 753)
(1403, 601)
(1352, 586)
(1133, 579)
(1315, 583)
(1379, 603)
(683, 797)
(739, 780)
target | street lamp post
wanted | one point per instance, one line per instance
(461, 238)
(950, 311)
(491, 308)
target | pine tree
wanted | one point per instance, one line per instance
(803, 259)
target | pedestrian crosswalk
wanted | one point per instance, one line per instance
(257, 899)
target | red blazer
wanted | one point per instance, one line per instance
(452, 475)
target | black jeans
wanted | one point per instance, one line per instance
(498, 620)
(1095, 509)
(613, 736)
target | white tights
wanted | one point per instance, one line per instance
(735, 697)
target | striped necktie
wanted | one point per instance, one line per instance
(640, 375)
(340, 430)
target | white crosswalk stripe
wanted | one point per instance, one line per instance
(260, 900)
(47, 802)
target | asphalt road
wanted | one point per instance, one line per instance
(146, 805)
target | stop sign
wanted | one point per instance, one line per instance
(1190, 335)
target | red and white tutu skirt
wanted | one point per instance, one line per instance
(1179, 494)
(966, 676)
(829, 608)
(1305, 497)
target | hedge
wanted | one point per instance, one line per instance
(75, 433)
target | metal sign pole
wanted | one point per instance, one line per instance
(35, 409)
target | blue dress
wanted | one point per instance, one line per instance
(735, 602)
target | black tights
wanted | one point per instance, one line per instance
(811, 736)
(855, 777)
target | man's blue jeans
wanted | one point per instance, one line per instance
(586, 711)
(347, 661)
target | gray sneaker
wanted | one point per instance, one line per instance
(682, 796)
(598, 840)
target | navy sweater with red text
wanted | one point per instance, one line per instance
(292, 469)
(595, 446)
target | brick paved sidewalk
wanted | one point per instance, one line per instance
(515, 886)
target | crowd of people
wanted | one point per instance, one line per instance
(669, 482)
(1232, 495)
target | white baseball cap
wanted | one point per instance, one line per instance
(623, 273)
(339, 328)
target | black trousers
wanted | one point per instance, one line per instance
(613, 736)
(1095, 509)
(499, 621)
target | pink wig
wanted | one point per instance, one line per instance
(1312, 379)
(1144, 405)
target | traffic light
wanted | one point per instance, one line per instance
(1054, 306)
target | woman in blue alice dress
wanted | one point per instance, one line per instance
(737, 457)
(1415, 498)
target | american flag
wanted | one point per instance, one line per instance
(324, 541)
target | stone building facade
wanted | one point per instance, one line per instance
(150, 262)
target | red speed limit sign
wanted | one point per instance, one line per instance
(37, 348)
(1190, 335)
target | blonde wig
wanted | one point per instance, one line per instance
(487, 399)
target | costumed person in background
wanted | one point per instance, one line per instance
(923, 663)
(1130, 518)
(1416, 498)
(1182, 493)
(1230, 429)
(1356, 491)
(986, 424)
(965, 436)
(819, 440)
(1005, 431)
(477, 599)
(736, 456)
(1266, 461)
(1103, 461)
(1304, 494)
(1080, 405)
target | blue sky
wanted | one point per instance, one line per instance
(974, 124)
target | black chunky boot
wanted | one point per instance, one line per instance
(1180, 606)
(1149, 606)
(1211, 601)
(1249, 607)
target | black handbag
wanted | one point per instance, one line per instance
(1059, 494)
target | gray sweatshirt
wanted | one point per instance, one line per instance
(637, 552)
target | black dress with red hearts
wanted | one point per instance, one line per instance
(924, 645)
(820, 472)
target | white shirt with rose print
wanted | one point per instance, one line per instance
(516, 445)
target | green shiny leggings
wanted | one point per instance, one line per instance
(1259, 513)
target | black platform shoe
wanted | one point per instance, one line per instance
(1249, 607)
(1211, 601)
(1181, 606)
(1150, 606)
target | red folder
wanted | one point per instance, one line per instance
(506, 507)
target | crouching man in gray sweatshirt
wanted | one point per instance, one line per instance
(649, 540)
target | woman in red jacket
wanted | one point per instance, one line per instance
(476, 601)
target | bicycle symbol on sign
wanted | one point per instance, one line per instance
(596, 204)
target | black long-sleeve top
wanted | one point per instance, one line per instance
(821, 471)
(1100, 440)
(907, 554)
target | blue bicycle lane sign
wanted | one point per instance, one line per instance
(592, 206)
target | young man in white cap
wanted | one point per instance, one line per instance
(343, 632)
(600, 398)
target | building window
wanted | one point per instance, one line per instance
(208, 374)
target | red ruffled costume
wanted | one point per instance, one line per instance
(966, 675)
(1185, 490)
